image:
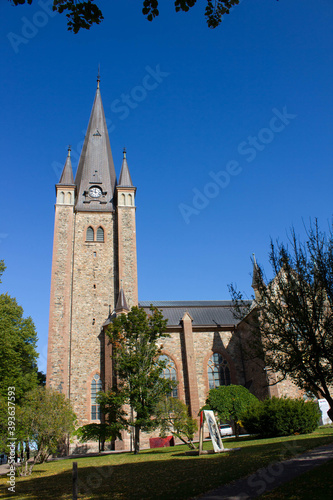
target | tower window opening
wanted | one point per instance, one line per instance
(100, 234)
(96, 386)
(93, 321)
(94, 286)
(95, 254)
(90, 234)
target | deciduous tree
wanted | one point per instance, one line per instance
(135, 338)
(111, 404)
(230, 402)
(172, 415)
(46, 418)
(291, 318)
(18, 339)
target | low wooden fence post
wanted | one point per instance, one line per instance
(75, 481)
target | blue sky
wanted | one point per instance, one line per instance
(229, 144)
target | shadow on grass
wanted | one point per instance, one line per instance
(163, 475)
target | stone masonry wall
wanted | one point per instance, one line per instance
(60, 300)
(127, 254)
(94, 278)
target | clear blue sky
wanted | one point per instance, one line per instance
(209, 124)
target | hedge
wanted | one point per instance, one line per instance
(281, 417)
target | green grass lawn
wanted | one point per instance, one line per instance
(316, 484)
(162, 473)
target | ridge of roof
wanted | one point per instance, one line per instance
(187, 303)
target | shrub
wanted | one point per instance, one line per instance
(281, 417)
(230, 401)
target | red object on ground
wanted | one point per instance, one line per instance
(161, 442)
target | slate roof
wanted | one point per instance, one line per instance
(96, 163)
(205, 313)
(125, 176)
(121, 302)
(67, 173)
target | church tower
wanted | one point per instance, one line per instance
(94, 266)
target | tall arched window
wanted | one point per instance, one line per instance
(69, 198)
(62, 197)
(218, 371)
(96, 386)
(90, 234)
(169, 372)
(100, 234)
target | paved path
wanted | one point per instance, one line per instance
(271, 477)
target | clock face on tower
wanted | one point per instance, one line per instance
(95, 192)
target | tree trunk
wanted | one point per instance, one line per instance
(136, 439)
(330, 402)
(330, 413)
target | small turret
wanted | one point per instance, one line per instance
(121, 307)
(65, 189)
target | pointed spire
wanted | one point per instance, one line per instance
(256, 275)
(98, 76)
(96, 162)
(125, 176)
(121, 302)
(67, 177)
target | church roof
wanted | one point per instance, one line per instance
(121, 302)
(96, 166)
(256, 278)
(208, 313)
(125, 176)
(67, 173)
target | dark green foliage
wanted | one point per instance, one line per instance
(80, 14)
(96, 432)
(111, 404)
(134, 338)
(281, 417)
(2, 268)
(41, 378)
(83, 14)
(172, 415)
(230, 402)
(18, 339)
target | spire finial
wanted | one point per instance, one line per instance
(124, 153)
(69, 150)
(98, 75)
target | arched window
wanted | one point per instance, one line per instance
(69, 198)
(96, 386)
(169, 372)
(123, 199)
(62, 197)
(100, 234)
(130, 200)
(218, 371)
(90, 234)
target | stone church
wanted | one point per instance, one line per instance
(94, 276)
